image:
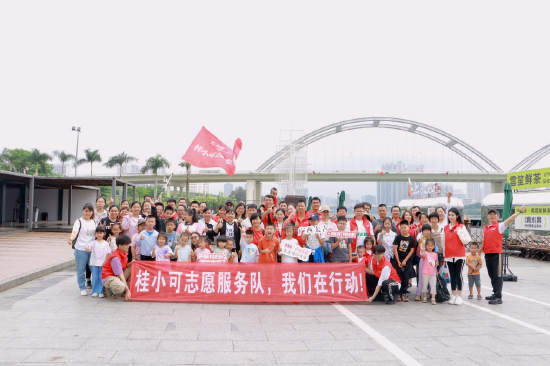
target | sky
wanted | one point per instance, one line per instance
(143, 77)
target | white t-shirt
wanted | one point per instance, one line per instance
(161, 252)
(98, 252)
(387, 242)
(86, 234)
(247, 224)
(324, 226)
(285, 258)
(361, 233)
(184, 253)
(249, 252)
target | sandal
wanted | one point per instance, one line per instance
(425, 299)
(417, 298)
(434, 302)
(405, 298)
(398, 298)
(479, 297)
(470, 297)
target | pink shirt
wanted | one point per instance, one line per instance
(429, 264)
(130, 225)
(195, 227)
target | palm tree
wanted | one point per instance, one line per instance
(119, 160)
(187, 166)
(39, 160)
(63, 158)
(154, 164)
(91, 156)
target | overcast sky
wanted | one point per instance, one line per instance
(144, 76)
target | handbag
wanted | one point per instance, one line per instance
(79, 227)
(441, 291)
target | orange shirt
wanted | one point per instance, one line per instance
(272, 245)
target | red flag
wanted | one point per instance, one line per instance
(207, 151)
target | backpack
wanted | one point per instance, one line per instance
(441, 293)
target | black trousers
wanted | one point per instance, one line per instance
(88, 272)
(455, 272)
(389, 288)
(493, 261)
(404, 274)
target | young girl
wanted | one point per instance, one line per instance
(190, 222)
(83, 232)
(99, 250)
(136, 249)
(230, 246)
(386, 238)
(130, 222)
(369, 244)
(183, 250)
(111, 239)
(429, 269)
(424, 235)
(161, 251)
(112, 218)
(289, 231)
(203, 247)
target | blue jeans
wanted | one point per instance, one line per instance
(81, 257)
(97, 286)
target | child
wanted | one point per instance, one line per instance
(386, 238)
(183, 252)
(358, 258)
(474, 263)
(403, 250)
(135, 249)
(268, 245)
(424, 235)
(369, 244)
(147, 239)
(222, 242)
(313, 240)
(249, 251)
(289, 231)
(190, 222)
(161, 251)
(230, 246)
(171, 234)
(100, 250)
(115, 232)
(340, 248)
(203, 247)
(429, 269)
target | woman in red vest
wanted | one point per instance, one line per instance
(492, 246)
(455, 253)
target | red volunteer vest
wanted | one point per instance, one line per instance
(453, 245)
(107, 270)
(378, 267)
(353, 227)
(492, 239)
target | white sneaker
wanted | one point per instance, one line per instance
(101, 295)
(84, 293)
(94, 295)
(458, 300)
(452, 300)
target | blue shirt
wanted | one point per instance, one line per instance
(148, 243)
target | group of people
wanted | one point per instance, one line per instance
(396, 246)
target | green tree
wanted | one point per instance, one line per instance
(15, 160)
(39, 160)
(119, 160)
(187, 166)
(91, 156)
(240, 194)
(63, 158)
(155, 163)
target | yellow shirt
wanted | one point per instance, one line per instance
(476, 261)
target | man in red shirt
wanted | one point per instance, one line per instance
(116, 269)
(300, 219)
(268, 217)
(315, 206)
(493, 234)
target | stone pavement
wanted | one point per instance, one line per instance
(47, 321)
(26, 256)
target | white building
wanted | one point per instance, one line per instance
(199, 188)
(227, 189)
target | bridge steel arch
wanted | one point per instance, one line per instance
(532, 159)
(472, 155)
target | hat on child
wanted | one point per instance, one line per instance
(141, 220)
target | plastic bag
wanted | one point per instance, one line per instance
(444, 272)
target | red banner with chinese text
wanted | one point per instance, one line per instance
(236, 282)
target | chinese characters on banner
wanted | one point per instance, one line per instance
(300, 282)
(207, 257)
(207, 151)
(534, 218)
(342, 234)
(529, 179)
(295, 251)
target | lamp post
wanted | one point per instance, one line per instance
(77, 129)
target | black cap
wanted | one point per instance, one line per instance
(426, 227)
(492, 210)
(229, 201)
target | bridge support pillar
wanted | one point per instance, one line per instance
(497, 187)
(253, 191)
(168, 193)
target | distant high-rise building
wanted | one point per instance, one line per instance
(474, 192)
(370, 199)
(60, 169)
(391, 193)
(199, 188)
(227, 189)
(485, 190)
(128, 169)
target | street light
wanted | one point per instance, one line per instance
(77, 129)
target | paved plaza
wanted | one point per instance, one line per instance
(47, 321)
